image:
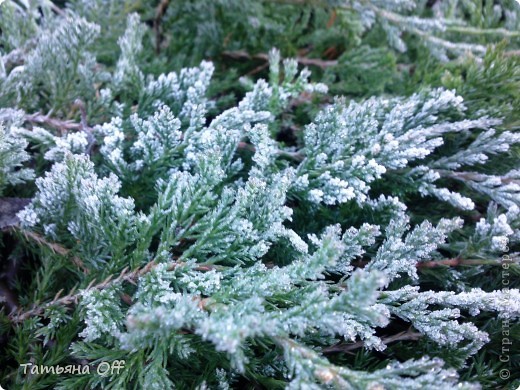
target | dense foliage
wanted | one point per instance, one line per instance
(259, 194)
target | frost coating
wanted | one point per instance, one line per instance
(12, 158)
(200, 215)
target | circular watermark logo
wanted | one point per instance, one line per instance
(504, 374)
